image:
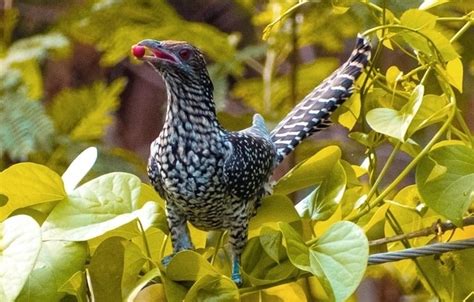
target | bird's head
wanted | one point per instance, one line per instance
(175, 58)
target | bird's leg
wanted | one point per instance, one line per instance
(237, 239)
(178, 230)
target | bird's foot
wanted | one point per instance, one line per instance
(236, 276)
(166, 260)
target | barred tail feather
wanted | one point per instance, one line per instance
(313, 112)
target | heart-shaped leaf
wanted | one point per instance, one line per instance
(445, 180)
(395, 123)
(98, 206)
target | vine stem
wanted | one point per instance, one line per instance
(398, 229)
(385, 168)
(434, 139)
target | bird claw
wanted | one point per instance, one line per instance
(237, 278)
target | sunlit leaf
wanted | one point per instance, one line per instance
(79, 168)
(94, 208)
(323, 201)
(418, 19)
(433, 110)
(349, 112)
(20, 243)
(340, 257)
(454, 70)
(26, 184)
(274, 208)
(213, 288)
(189, 266)
(396, 123)
(310, 172)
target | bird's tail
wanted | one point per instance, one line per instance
(313, 112)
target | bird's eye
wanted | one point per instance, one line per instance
(185, 54)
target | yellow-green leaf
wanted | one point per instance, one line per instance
(26, 184)
(454, 70)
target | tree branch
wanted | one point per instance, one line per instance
(436, 229)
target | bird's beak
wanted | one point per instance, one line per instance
(153, 51)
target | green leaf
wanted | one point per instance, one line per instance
(79, 167)
(76, 286)
(340, 255)
(271, 241)
(454, 70)
(443, 44)
(114, 269)
(20, 243)
(418, 19)
(213, 288)
(264, 260)
(38, 47)
(26, 184)
(445, 180)
(274, 208)
(338, 258)
(189, 266)
(395, 123)
(349, 112)
(297, 251)
(310, 172)
(433, 110)
(323, 201)
(56, 263)
(98, 206)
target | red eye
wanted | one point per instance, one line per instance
(185, 54)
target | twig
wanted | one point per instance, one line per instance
(435, 229)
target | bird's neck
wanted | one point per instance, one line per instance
(190, 112)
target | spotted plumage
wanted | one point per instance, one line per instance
(214, 178)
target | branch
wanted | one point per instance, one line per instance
(437, 228)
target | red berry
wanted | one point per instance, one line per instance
(138, 51)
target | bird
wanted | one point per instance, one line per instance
(215, 178)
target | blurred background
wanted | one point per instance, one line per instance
(68, 81)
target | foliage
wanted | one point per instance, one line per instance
(106, 237)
